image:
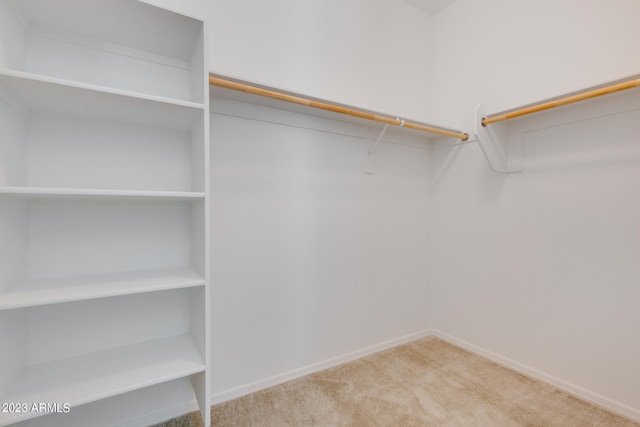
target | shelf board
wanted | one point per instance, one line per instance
(37, 292)
(64, 97)
(96, 376)
(140, 26)
(90, 193)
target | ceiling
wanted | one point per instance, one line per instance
(430, 7)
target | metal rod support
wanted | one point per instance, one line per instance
(228, 84)
(562, 101)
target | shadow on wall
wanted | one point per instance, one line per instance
(490, 184)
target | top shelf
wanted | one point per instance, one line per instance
(127, 23)
(119, 44)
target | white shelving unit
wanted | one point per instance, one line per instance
(104, 124)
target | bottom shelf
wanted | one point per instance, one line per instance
(89, 378)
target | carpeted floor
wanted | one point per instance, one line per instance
(424, 383)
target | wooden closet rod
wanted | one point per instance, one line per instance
(217, 81)
(562, 101)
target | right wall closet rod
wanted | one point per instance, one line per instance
(630, 84)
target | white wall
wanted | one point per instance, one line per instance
(312, 259)
(541, 268)
(369, 54)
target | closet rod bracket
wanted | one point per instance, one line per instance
(373, 147)
(368, 165)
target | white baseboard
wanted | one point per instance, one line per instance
(310, 369)
(595, 399)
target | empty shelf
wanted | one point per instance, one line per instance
(38, 292)
(140, 26)
(38, 192)
(65, 97)
(96, 376)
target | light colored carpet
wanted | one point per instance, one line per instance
(424, 383)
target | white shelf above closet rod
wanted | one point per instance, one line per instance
(564, 100)
(504, 151)
(269, 93)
